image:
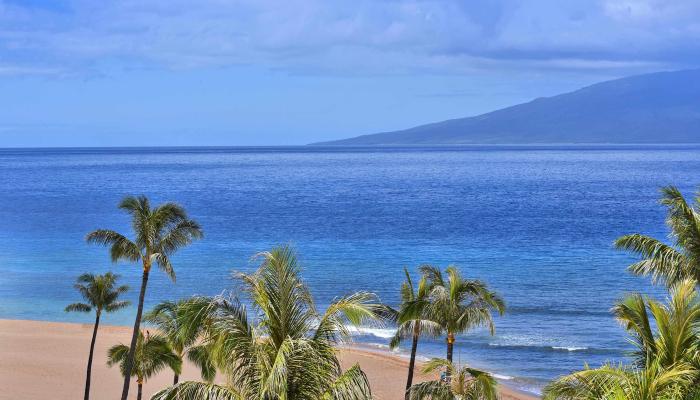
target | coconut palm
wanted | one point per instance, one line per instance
(153, 354)
(412, 321)
(666, 360)
(101, 294)
(282, 348)
(611, 382)
(466, 384)
(158, 233)
(457, 304)
(664, 262)
(168, 317)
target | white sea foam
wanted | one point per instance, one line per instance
(383, 333)
(572, 348)
(502, 377)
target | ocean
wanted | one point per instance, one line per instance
(536, 223)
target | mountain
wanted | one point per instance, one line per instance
(662, 107)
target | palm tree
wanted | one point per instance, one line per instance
(413, 321)
(283, 348)
(611, 382)
(158, 233)
(153, 353)
(457, 304)
(667, 357)
(168, 317)
(100, 293)
(466, 384)
(669, 263)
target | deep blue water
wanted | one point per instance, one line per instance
(536, 223)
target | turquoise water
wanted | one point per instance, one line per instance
(536, 223)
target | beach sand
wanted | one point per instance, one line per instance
(46, 360)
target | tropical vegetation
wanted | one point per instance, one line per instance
(158, 233)
(101, 294)
(270, 342)
(666, 361)
(280, 347)
(664, 262)
(465, 384)
(412, 320)
(457, 304)
(153, 354)
(168, 317)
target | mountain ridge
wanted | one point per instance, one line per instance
(658, 108)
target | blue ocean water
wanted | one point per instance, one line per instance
(537, 223)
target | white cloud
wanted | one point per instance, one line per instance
(366, 36)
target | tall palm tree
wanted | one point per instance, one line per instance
(457, 304)
(158, 233)
(413, 321)
(153, 353)
(466, 384)
(669, 263)
(101, 294)
(667, 357)
(168, 317)
(283, 348)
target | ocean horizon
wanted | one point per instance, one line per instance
(535, 222)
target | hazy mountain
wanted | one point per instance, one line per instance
(661, 107)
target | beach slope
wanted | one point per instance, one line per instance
(46, 360)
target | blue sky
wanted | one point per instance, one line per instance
(258, 72)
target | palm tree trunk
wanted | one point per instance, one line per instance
(92, 350)
(412, 362)
(134, 336)
(140, 390)
(450, 350)
(177, 377)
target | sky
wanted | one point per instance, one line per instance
(261, 72)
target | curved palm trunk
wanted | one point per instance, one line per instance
(450, 350)
(92, 351)
(134, 336)
(177, 378)
(412, 362)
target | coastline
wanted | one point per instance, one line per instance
(44, 359)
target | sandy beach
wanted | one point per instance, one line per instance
(46, 360)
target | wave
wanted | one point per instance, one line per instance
(573, 348)
(383, 333)
(502, 377)
(546, 348)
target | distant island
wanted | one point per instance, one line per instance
(662, 107)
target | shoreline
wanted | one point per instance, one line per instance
(45, 359)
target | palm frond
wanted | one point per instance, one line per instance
(121, 248)
(201, 357)
(660, 261)
(351, 385)
(78, 307)
(197, 391)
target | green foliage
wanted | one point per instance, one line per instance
(153, 354)
(168, 317)
(159, 232)
(281, 348)
(669, 263)
(458, 304)
(412, 312)
(465, 384)
(667, 359)
(100, 293)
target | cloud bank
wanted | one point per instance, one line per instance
(348, 37)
